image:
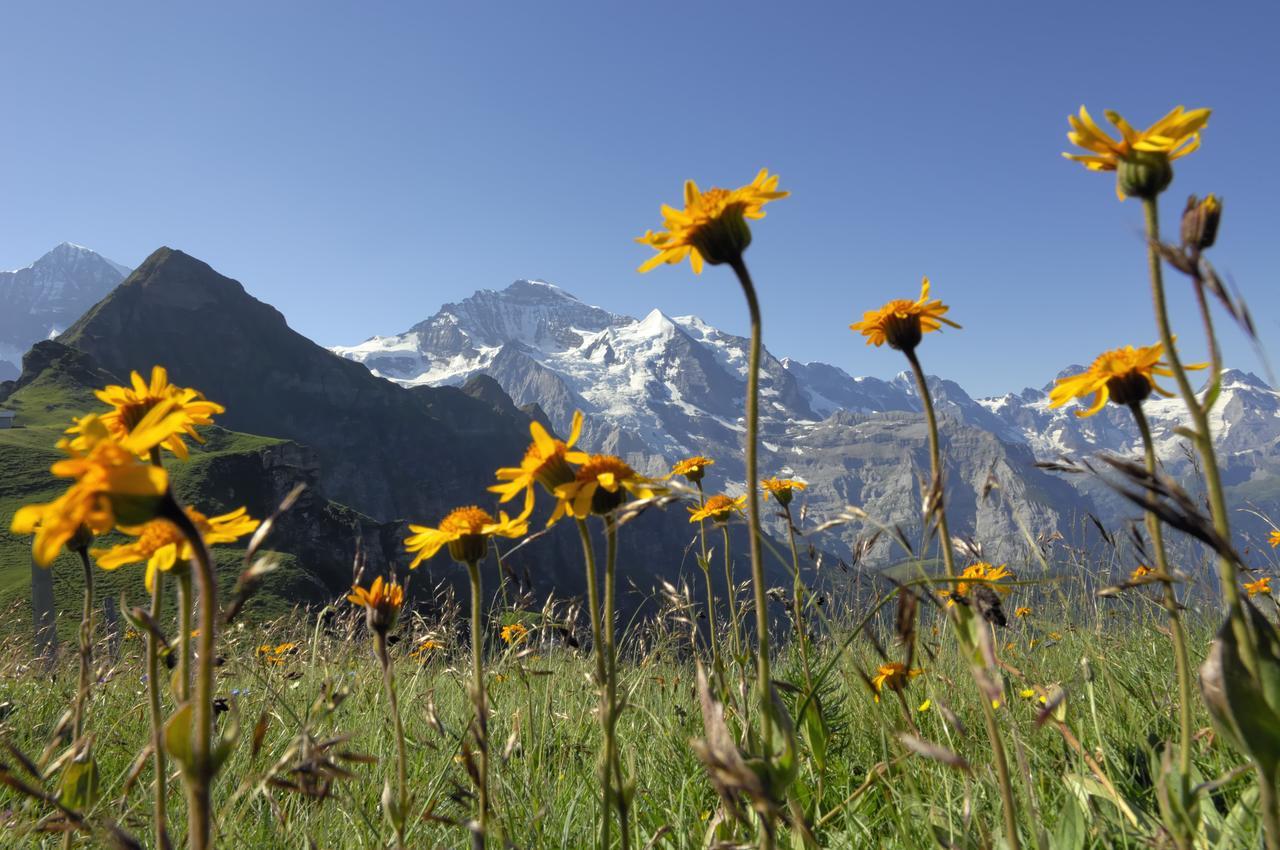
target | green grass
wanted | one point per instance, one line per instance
(544, 735)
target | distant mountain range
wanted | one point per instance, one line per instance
(661, 387)
(42, 300)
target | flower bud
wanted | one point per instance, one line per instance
(1144, 174)
(1200, 222)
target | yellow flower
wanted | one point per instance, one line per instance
(1055, 635)
(111, 485)
(131, 404)
(925, 706)
(782, 489)
(982, 572)
(692, 468)
(599, 487)
(1124, 375)
(545, 462)
(1274, 539)
(1022, 611)
(1261, 586)
(718, 508)
(466, 531)
(513, 633)
(1172, 137)
(893, 676)
(278, 654)
(161, 545)
(1140, 572)
(425, 647)
(712, 226)
(381, 603)
(902, 323)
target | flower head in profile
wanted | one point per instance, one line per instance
(466, 531)
(1022, 612)
(545, 462)
(426, 647)
(783, 489)
(1140, 574)
(1123, 375)
(600, 486)
(1274, 539)
(692, 469)
(892, 676)
(903, 323)
(1260, 587)
(718, 508)
(161, 545)
(110, 485)
(1146, 152)
(712, 227)
(978, 573)
(129, 405)
(513, 633)
(381, 602)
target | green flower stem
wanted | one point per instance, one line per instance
(1181, 658)
(199, 778)
(402, 756)
(797, 599)
(86, 648)
(611, 707)
(185, 601)
(478, 697)
(948, 558)
(735, 626)
(705, 563)
(764, 682)
(161, 816)
(597, 653)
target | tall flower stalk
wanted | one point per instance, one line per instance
(902, 324)
(694, 469)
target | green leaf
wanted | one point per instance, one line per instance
(178, 735)
(814, 727)
(1245, 706)
(227, 738)
(78, 787)
(1072, 829)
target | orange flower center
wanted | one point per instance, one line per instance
(156, 535)
(468, 520)
(601, 464)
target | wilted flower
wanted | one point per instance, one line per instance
(599, 487)
(161, 545)
(130, 405)
(381, 603)
(712, 227)
(782, 489)
(903, 323)
(1200, 222)
(1141, 158)
(545, 462)
(1123, 375)
(718, 508)
(892, 676)
(466, 531)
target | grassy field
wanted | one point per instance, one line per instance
(875, 791)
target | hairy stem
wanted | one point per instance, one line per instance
(156, 709)
(478, 697)
(611, 707)
(598, 654)
(402, 756)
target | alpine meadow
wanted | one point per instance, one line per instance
(538, 574)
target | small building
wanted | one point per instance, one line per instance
(6, 418)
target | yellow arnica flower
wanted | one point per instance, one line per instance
(1274, 539)
(425, 647)
(599, 487)
(903, 323)
(782, 489)
(111, 485)
(513, 633)
(545, 462)
(1123, 375)
(981, 572)
(130, 404)
(161, 545)
(1172, 137)
(712, 227)
(718, 508)
(1022, 611)
(277, 654)
(1140, 572)
(466, 531)
(892, 676)
(1260, 587)
(381, 602)
(693, 469)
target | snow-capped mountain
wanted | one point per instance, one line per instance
(45, 298)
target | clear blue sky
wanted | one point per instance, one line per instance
(359, 164)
